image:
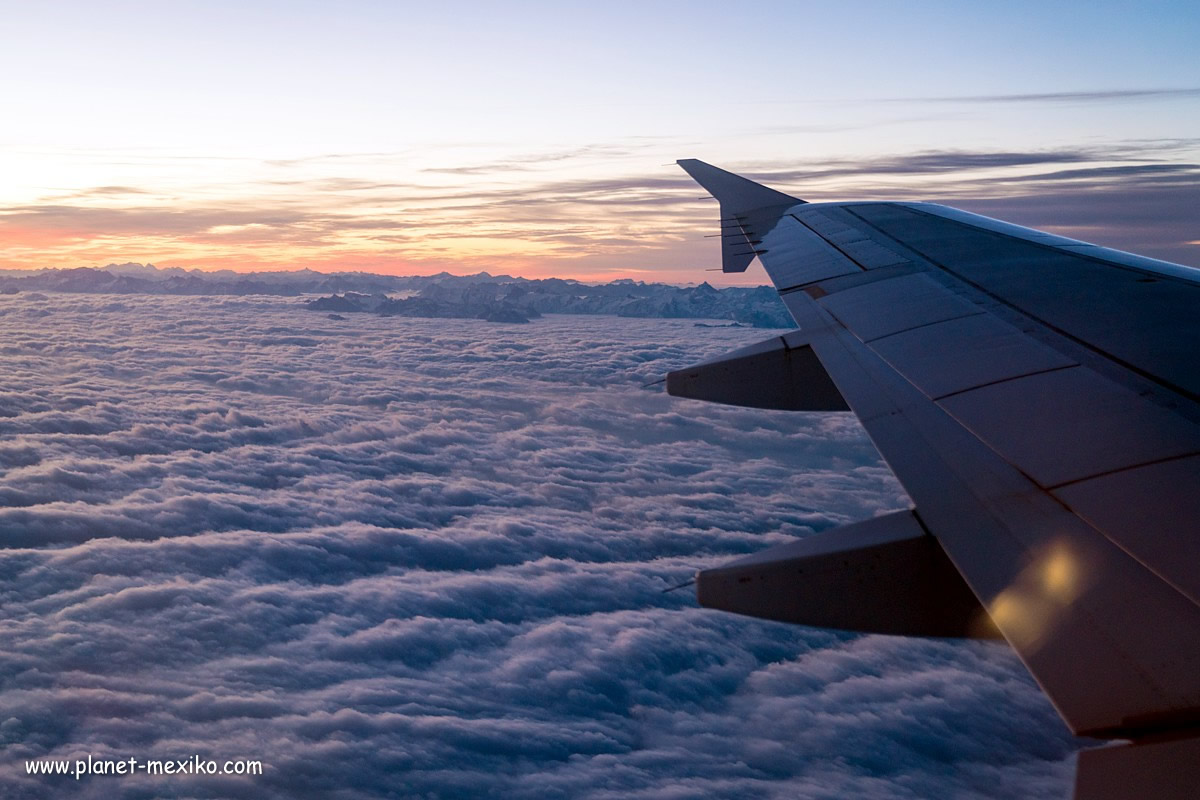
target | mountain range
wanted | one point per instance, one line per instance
(498, 298)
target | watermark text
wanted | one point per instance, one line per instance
(79, 767)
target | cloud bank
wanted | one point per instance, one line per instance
(426, 558)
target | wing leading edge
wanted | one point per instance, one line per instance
(1037, 397)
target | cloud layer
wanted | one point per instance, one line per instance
(426, 558)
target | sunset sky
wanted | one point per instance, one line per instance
(536, 138)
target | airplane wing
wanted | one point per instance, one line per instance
(1039, 399)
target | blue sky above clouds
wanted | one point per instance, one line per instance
(412, 138)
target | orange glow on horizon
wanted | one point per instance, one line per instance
(33, 249)
(590, 219)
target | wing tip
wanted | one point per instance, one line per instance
(735, 193)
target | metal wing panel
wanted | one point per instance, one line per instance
(826, 226)
(886, 307)
(1090, 622)
(964, 353)
(1118, 257)
(1151, 512)
(853, 242)
(1056, 425)
(1071, 424)
(799, 257)
(871, 255)
(1140, 319)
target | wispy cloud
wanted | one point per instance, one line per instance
(928, 162)
(638, 218)
(534, 162)
(1090, 96)
(108, 191)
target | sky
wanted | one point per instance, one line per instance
(538, 139)
(399, 558)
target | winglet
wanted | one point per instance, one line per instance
(736, 194)
(748, 211)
